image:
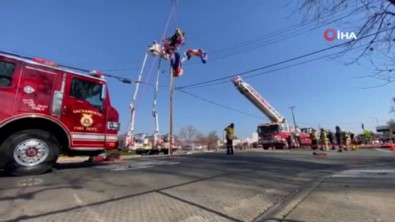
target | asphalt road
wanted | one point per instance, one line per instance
(248, 186)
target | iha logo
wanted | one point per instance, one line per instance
(331, 34)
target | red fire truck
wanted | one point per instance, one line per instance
(276, 134)
(48, 109)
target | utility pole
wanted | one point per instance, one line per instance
(171, 111)
(293, 116)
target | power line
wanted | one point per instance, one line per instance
(266, 72)
(256, 74)
(287, 60)
(220, 105)
(270, 35)
(258, 117)
(236, 110)
(268, 42)
(273, 37)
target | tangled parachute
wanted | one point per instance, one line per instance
(169, 51)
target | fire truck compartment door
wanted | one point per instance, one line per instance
(35, 91)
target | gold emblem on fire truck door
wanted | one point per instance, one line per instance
(86, 120)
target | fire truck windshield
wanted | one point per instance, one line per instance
(89, 91)
(270, 128)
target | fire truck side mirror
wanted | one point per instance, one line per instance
(127, 81)
(103, 92)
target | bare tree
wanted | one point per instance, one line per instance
(374, 22)
(210, 140)
(189, 134)
(201, 139)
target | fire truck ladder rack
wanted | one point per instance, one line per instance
(253, 96)
(67, 67)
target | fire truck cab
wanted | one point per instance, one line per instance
(48, 110)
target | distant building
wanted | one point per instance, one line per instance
(386, 131)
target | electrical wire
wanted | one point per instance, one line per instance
(251, 115)
(265, 40)
(220, 105)
(287, 60)
(274, 37)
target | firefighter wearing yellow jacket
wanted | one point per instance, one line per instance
(230, 134)
(314, 139)
(346, 140)
(324, 139)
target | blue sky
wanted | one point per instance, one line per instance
(113, 36)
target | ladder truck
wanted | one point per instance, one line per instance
(276, 134)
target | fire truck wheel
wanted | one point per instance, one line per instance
(30, 152)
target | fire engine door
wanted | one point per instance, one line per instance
(84, 110)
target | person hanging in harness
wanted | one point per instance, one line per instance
(171, 44)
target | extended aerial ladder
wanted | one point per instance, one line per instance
(253, 96)
(284, 137)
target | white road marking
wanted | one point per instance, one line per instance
(77, 199)
(137, 165)
(95, 215)
(366, 173)
(383, 150)
(28, 182)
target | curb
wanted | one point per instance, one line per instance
(280, 210)
(78, 159)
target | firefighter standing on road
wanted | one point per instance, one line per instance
(331, 139)
(339, 138)
(324, 139)
(353, 141)
(346, 140)
(314, 139)
(229, 138)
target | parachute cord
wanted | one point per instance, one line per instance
(175, 13)
(133, 104)
(172, 11)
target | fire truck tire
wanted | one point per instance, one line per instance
(30, 152)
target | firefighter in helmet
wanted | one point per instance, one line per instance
(346, 140)
(314, 139)
(324, 139)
